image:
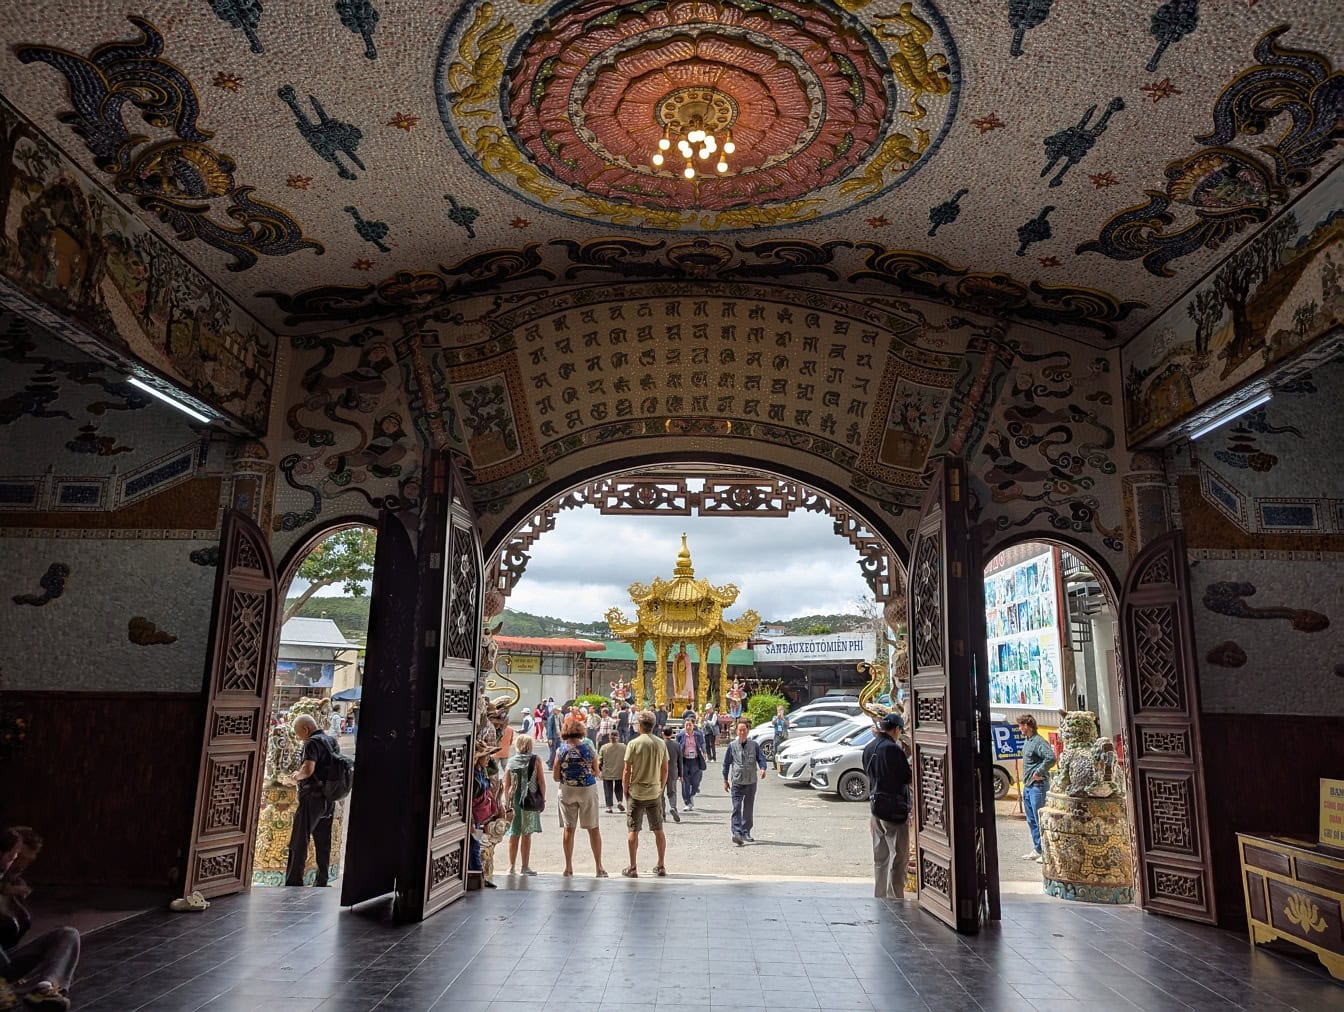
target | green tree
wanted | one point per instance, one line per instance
(818, 629)
(345, 558)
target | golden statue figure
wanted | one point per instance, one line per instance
(677, 617)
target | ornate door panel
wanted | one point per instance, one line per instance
(450, 554)
(954, 837)
(240, 680)
(386, 720)
(1175, 873)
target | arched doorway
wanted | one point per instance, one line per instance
(1051, 613)
(319, 672)
(673, 498)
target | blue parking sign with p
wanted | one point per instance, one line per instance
(1007, 741)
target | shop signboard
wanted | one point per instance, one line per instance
(1022, 631)
(1332, 813)
(305, 674)
(831, 648)
(519, 664)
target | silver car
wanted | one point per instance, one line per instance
(795, 757)
(801, 725)
(839, 770)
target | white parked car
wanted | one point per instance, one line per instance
(801, 725)
(839, 770)
(795, 758)
(842, 704)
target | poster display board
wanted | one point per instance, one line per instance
(1023, 634)
(305, 674)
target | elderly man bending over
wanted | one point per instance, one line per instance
(312, 818)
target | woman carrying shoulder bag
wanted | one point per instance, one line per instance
(523, 786)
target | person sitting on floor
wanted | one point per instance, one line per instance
(38, 973)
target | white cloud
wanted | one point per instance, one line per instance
(783, 567)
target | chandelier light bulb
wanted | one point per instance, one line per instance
(722, 166)
(728, 146)
(704, 153)
(711, 143)
(684, 148)
(664, 144)
(689, 171)
(696, 136)
(658, 159)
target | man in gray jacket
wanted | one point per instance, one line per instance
(743, 766)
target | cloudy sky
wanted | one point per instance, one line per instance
(784, 567)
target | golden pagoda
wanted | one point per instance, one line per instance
(674, 616)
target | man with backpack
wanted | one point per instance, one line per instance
(323, 779)
(888, 770)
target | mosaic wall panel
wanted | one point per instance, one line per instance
(1268, 600)
(69, 244)
(859, 393)
(348, 444)
(1273, 296)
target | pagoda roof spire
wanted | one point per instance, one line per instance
(684, 568)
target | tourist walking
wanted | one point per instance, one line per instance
(623, 723)
(780, 727)
(644, 778)
(888, 772)
(660, 717)
(523, 775)
(576, 773)
(553, 719)
(1037, 758)
(312, 817)
(711, 731)
(673, 771)
(691, 744)
(611, 763)
(743, 760)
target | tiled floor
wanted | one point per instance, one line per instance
(617, 945)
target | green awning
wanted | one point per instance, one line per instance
(619, 650)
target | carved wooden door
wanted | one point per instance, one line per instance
(1161, 686)
(955, 849)
(451, 562)
(373, 849)
(238, 688)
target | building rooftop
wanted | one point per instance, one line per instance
(314, 632)
(549, 645)
(619, 650)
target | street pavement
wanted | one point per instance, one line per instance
(800, 833)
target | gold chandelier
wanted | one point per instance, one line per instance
(699, 122)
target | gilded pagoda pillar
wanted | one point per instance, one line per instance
(639, 675)
(702, 677)
(660, 672)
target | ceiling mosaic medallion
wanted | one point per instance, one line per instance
(821, 112)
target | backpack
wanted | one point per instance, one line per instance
(340, 776)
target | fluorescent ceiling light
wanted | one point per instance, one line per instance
(142, 385)
(1236, 412)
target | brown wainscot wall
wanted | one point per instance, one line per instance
(108, 779)
(1261, 774)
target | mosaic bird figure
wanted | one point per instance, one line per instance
(361, 17)
(462, 215)
(244, 15)
(370, 231)
(1035, 230)
(1172, 22)
(326, 136)
(1072, 143)
(1024, 15)
(946, 212)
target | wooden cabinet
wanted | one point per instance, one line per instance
(1295, 892)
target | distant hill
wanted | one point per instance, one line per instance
(351, 615)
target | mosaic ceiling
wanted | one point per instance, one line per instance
(1075, 166)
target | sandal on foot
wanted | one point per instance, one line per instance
(660, 871)
(630, 872)
(602, 873)
(47, 995)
